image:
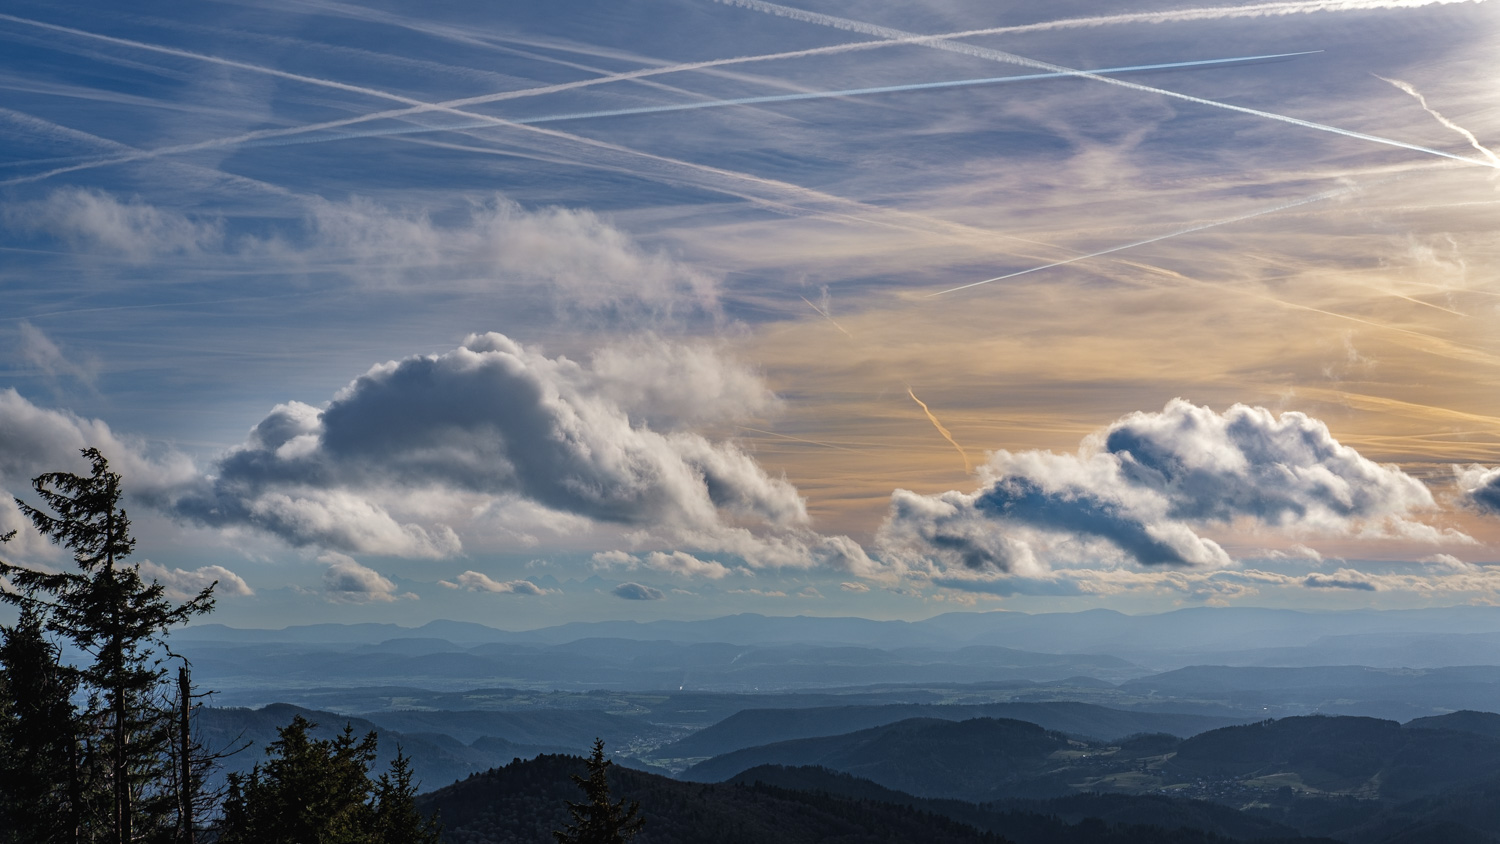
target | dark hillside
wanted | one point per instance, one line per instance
(753, 727)
(1038, 821)
(1463, 721)
(972, 760)
(525, 801)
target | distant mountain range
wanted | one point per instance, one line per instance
(1252, 633)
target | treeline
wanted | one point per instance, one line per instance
(103, 751)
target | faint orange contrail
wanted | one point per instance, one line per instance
(968, 466)
(826, 316)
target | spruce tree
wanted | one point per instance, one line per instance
(318, 791)
(110, 613)
(597, 820)
(41, 782)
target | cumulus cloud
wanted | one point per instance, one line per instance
(1342, 579)
(181, 584)
(474, 581)
(676, 562)
(1480, 487)
(637, 592)
(34, 440)
(96, 220)
(1141, 491)
(413, 447)
(348, 582)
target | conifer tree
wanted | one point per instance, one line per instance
(597, 820)
(318, 791)
(41, 787)
(110, 613)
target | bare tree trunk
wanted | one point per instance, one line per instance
(185, 754)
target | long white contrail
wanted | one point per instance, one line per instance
(1011, 58)
(1468, 136)
(1326, 195)
(784, 98)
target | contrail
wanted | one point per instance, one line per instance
(786, 98)
(1124, 246)
(849, 209)
(1012, 58)
(826, 316)
(968, 467)
(1468, 136)
(795, 439)
(418, 107)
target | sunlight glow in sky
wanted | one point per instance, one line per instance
(527, 313)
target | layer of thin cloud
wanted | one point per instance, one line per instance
(495, 420)
(98, 221)
(41, 352)
(575, 258)
(182, 584)
(474, 581)
(632, 591)
(348, 582)
(1140, 491)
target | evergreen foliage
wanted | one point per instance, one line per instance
(318, 791)
(123, 761)
(40, 782)
(597, 820)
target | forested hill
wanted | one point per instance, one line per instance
(525, 801)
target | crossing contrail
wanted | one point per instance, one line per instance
(1468, 136)
(1011, 58)
(1326, 195)
(788, 98)
(825, 315)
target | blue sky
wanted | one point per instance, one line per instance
(526, 313)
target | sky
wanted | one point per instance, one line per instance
(526, 313)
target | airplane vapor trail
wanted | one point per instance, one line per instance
(1124, 246)
(825, 315)
(783, 193)
(968, 466)
(1011, 58)
(419, 107)
(787, 98)
(1468, 136)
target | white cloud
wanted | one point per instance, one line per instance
(676, 562)
(474, 581)
(409, 451)
(854, 586)
(181, 584)
(97, 220)
(577, 259)
(1140, 491)
(34, 440)
(40, 351)
(348, 582)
